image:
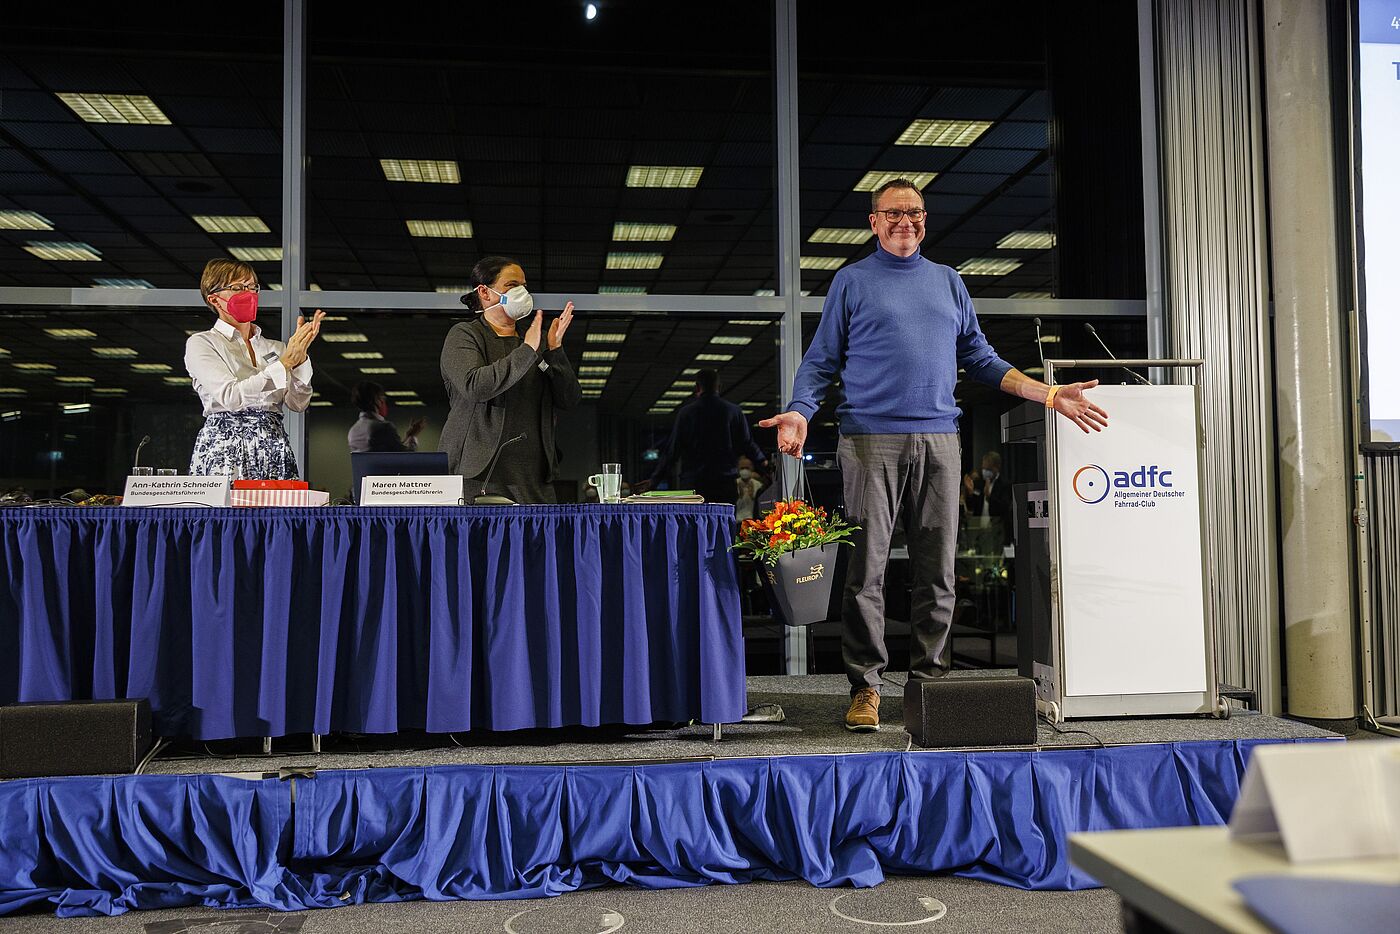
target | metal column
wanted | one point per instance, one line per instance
(1310, 356)
(294, 192)
(789, 278)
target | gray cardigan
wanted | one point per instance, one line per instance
(476, 389)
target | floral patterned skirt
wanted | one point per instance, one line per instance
(247, 445)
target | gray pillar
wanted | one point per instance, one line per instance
(1310, 353)
(294, 193)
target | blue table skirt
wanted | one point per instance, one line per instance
(265, 622)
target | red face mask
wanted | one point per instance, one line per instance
(243, 307)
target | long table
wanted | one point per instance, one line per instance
(268, 622)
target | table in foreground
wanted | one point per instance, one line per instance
(268, 622)
(1181, 877)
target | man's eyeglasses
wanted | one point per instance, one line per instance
(893, 215)
(237, 288)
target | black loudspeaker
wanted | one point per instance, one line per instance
(948, 712)
(73, 738)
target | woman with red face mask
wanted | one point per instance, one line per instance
(243, 379)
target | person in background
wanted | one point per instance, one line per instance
(709, 435)
(895, 329)
(373, 431)
(988, 496)
(748, 484)
(506, 377)
(243, 379)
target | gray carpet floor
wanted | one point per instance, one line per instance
(814, 705)
(771, 908)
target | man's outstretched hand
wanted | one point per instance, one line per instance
(792, 432)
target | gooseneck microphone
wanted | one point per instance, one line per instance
(482, 499)
(136, 461)
(1112, 356)
(1040, 346)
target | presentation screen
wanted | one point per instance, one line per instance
(1377, 77)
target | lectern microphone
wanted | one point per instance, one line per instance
(1112, 356)
(482, 499)
(136, 461)
(1039, 346)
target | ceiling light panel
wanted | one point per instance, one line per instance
(95, 107)
(635, 260)
(364, 355)
(1035, 296)
(428, 171)
(731, 339)
(714, 357)
(122, 284)
(1027, 240)
(457, 230)
(849, 235)
(822, 262)
(401, 393)
(943, 132)
(71, 334)
(595, 383)
(595, 371)
(664, 176)
(108, 391)
(621, 290)
(378, 370)
(231, 223)
(63, 251)
(257, 254)
(344, 337)
(75, 380)
(634, 231)
(115, 353)
(600, 355)
(36, 367)
(606, 337)
(23, 220)
(150, 367)
(872, 180)
(989, 267)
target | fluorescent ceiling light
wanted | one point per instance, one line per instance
(453, 289)
(23, 220)
(822, 262)
(598, 383)
(765, 293)
(433, 171)
(1033, 295)
(57, 251)
(75, 380)
(664, 176)
(621, 290)
(606, 337)
(257, 254)
(177, 381)
(731, 339)
(4, 352)
(410, 403)
(10, 416)
(378, 370)
(76, 408)
(989, 267)
(115, 353)
(121, 284)
(633, 231)
(1027, 240)
(676, 394)
(95, 107)
(752, 323)
(274, 287)
(661, 410)
(872, 180)
(714, 357)
(35, 367)
(335, 318)
(12, 391)
(401, 393)
(690, 371)
(230, 223)
(600, 355)
(150, 367)
(595, 371)
(344, 337)
(313, 287)
(70, 334)
(943, 132)
(459, 230)
(364, 355)
(635, 260)
(322, 403)
(108, 391)
(841, 235)
(1049, 338)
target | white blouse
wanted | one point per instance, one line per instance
(227, 381)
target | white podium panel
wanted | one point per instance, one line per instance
(1131, 596)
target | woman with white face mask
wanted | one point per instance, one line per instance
(505, 379)
(243, 379)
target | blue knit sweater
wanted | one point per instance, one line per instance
(895, 330)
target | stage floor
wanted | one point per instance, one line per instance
(814, 705)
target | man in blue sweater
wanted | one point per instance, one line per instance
(895, 328)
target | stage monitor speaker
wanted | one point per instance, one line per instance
(953, 711)
(73, 738)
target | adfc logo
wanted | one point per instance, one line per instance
(1091, 484)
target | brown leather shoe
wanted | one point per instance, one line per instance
(864, 715)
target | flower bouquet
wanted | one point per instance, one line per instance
(796, 542)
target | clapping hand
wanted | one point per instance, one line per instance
(306, 332)
(560, 325)
(1071, 402)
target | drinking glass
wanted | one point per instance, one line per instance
(142, 471)
(609, 483)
